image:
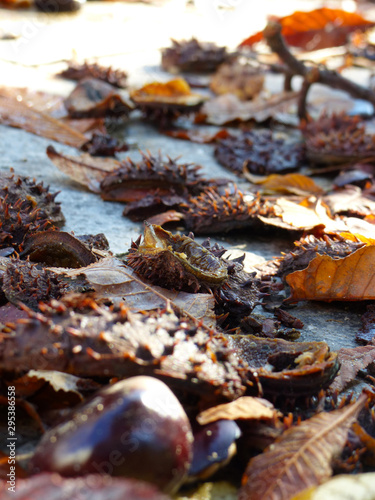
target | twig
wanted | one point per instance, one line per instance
(275, 40)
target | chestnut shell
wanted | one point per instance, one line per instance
(135, 428)
(175, 262)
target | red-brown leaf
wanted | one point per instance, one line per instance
(301, 458)
(317, 29)
(349, 278)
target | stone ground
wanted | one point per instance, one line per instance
(129, 36)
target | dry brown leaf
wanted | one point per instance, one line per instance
(51, 104)
(327, 279)
(301, 458)
(228, 108)
(111, 278)
(246, 407)
(352, 360)
(287, 184)
(17, 114)
(84, 169)
(317, 29)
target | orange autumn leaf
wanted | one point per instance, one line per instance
(287, 184)
(349, 278)
(317, 29)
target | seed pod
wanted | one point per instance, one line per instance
(175, 262)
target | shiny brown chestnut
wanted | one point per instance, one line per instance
(135, 428)
(214, 446)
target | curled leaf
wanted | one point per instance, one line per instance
(287, 184)
(327, 278)
(246, 407)
(84, 169)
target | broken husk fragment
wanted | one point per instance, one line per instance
(175, 262)
(57, 249)
(288, 368)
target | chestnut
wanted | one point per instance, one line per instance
(135, 428)
(214, 446)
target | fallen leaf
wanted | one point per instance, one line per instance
(17, 114)
(317, 29)
(111, 278)
(351, 361)
(229, 108)
(58, 381)
(286, 184)
(246, 407)
(326, 278)
(84, 169)
(301, 458)
(51, 104)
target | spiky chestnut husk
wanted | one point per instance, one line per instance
(152, 172)
(15, 188)
(175, 262)
(192, 56)
(76, 71)
(260, 152)
(28, 283)
(17, 224)
(80, 336)
(212, 212)
(237, 297)
(337, 138)
(308, 248)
